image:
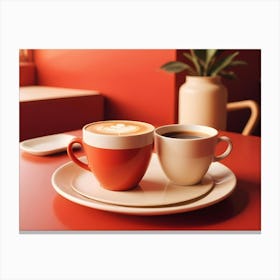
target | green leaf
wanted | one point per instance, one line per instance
(210, 57)
(193, 60)
(175, 67)
(237, 63)
(222, 63)
(228, 75)
(188, 56)
(196, 63)
(209, 62)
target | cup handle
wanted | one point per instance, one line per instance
(72, 156)
(228, 149)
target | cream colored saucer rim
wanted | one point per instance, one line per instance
(224, 185)
(153, 190)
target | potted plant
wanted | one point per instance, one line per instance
(203, 97)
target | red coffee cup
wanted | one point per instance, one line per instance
(118, 152)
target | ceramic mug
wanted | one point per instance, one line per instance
(118, 152)
(185, 152)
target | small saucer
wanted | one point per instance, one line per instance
(47, 145)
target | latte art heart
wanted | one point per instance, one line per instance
(119, 128)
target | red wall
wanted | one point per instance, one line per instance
(131, 81)
(27, 73)
(133, 84)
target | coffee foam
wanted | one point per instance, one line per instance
(118, 134)
(118, 128)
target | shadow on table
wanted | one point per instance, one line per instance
(76, 217)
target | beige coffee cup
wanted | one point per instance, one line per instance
(185, 152)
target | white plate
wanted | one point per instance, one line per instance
(47, 145)
(153, 190)
(224, 184)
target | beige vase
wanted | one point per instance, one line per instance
(203, 101)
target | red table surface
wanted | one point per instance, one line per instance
(42, 209)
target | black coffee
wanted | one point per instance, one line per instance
(185, 134)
